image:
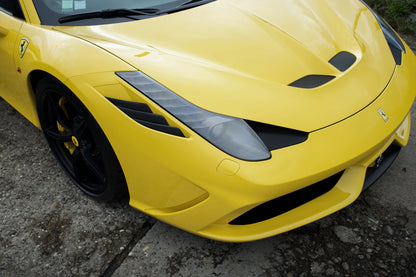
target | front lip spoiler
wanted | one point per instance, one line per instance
(384, 161)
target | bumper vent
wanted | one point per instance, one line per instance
(383, 163)
(142, 114)
(287, 202)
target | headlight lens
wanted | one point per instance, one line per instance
(395, 43)
(231, 135)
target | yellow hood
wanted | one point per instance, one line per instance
(238, 57)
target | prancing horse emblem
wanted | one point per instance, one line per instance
(383, 115)
(24, 43)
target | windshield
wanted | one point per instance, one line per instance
(50, 11)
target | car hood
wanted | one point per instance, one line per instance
(239, 57)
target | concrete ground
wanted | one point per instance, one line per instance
(49, 228)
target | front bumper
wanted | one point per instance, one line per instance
(344, 192)
(351, 146)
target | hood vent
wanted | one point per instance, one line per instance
(312, 81)
(343, 60)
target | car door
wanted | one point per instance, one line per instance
(11, 20)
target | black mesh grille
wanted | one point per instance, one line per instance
(142, 114)
(287, 202)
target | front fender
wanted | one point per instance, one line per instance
(61, 56)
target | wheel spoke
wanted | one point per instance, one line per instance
(75, 164)
(79, 127)
(92, 165)
(58, 136)
(59, 113)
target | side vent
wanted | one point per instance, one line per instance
(275, 137)
(343, 60)
(142, 114)
(311, 81)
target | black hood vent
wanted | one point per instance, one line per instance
(312, 81)
(343, 60)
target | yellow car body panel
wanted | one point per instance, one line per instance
(58, 55)
(9, 30)
(235, 58)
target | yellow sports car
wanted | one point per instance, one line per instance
(232, 119)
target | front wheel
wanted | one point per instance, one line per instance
(78, 142)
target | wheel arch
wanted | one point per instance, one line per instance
(111, 172)
(32, 80)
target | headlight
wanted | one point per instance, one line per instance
(231, 135)
(395, 43)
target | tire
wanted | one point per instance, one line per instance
(78, 142)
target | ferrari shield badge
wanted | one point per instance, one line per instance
(24, 43)
(383, 115)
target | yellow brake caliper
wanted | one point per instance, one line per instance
(70, 145)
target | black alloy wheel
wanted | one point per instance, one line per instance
(78, 142)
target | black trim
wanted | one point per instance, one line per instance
(397, 53)
(130, 105)
(161, 128)
(50, 17)
(13, 8)
(343, 60)
(275, 137)
(311, 81)
(392, 38)
(147, 117)
(383, 163)
(287, 202)
(142, 114)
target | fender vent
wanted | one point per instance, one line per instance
(312, 81)
(343, 60)
(142, 114)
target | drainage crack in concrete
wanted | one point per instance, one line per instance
(119, 258)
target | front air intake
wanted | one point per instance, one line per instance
(287, 202)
